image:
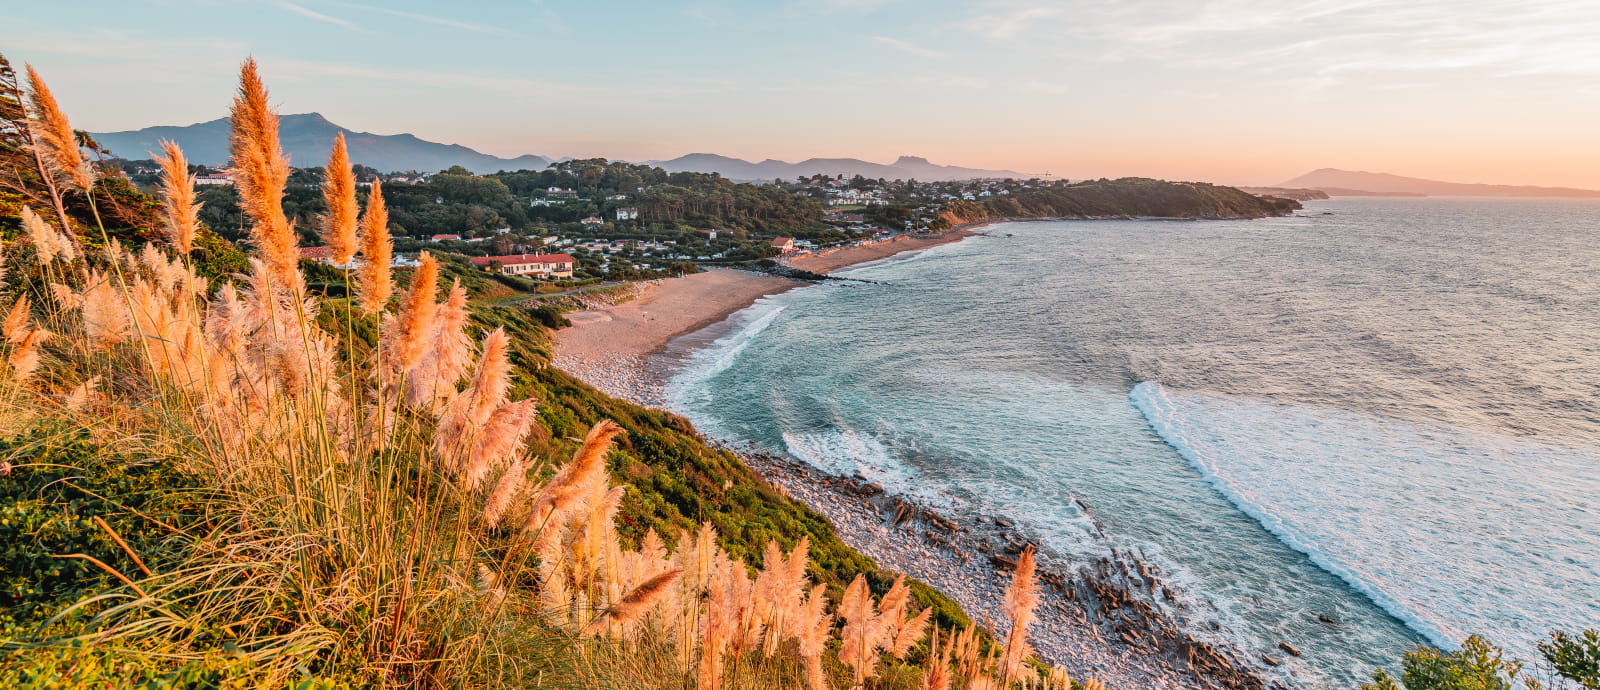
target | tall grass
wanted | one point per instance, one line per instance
(375, 514)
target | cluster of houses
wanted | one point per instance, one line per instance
(324, 255)
(856, 197)
(535, 265)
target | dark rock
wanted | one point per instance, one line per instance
(1270, 661)
(1289, 648)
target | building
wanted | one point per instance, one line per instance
(560, 194)
(784, 245)
(538, 265)
(627, 213)
(217, 178)
(324, 255)
(593, 220)
(445, 238)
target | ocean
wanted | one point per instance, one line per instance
(1383, 413)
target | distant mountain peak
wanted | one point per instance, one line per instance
(307, 138)
(903, 167)
(1339, 182)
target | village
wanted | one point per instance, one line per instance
(587, 222)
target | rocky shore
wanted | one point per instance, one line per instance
(1114, 619)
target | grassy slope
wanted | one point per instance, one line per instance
(676, 481)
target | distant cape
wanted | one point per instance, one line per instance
(307, 138)
(1356, 183)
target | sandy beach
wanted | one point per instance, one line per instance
(611, 347)
(1105, 620)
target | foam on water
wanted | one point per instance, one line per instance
(716, 357)
(845, 452)
(1452, 531)
(1401, 393)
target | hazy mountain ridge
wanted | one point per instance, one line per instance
(308, 137)
(905, 167)
(1361, 183)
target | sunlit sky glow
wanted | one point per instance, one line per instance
(1233, 91)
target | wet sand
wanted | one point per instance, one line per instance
(611, 347)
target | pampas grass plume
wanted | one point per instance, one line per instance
(260, 171)
(47, 243)
(406, 334)
(53, 133)
(339, 192)
(178, 196)
(375, 285)
(24, 358)
(16, 323)
(1021, 598)
(505, 490)
(636, 604)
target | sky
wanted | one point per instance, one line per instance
(1228, 91)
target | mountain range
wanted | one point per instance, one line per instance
(307, 138)
(1357, 183)
(904, 168)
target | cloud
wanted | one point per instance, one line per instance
(1044, 88)
(858, 6)
(308, 69)
(908, 47)
(944, 81)
(313, 14)
(429, 19)
(1344, 40)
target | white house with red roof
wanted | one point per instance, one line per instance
(537, 265)
(784, 245)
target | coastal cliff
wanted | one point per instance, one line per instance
(1128, 197)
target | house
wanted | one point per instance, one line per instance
(592, 220)
(784, 245)
(627, 213)
(324, 256)
(445, 238)
(216, 178)
(560, 194)
(539, 265)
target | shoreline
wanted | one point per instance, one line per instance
(615, 347)
(1115, 619)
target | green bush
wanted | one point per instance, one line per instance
(1575, 657)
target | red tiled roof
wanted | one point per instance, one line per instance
(513, 259)
(446, 237)
(782, 241)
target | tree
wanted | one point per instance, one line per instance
(1575, 657)
(1479, 665)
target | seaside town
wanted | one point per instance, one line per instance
(598, 221)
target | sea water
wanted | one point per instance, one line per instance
(1382, 413)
